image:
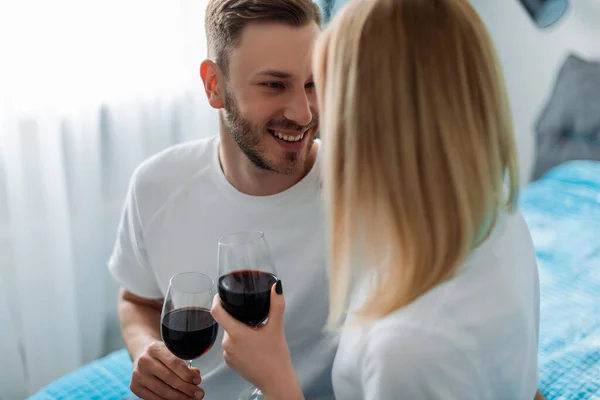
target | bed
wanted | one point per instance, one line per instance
(562, 210)
(563, 213)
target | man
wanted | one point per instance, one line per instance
(260, 173)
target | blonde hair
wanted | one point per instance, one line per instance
(418, 144)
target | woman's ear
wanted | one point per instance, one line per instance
(209, 72)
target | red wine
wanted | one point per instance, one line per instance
(246, 295)
(189, 332)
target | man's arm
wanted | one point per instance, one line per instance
(157, 374)
(539, 396)
(140, 322)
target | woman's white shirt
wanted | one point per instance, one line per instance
(472, 337)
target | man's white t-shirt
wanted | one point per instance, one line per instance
(180, 203)
(474, 337)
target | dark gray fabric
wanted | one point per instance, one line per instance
(569, 127)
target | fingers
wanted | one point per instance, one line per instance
(144, 393)
(148, 394)
(158, 374)
(228, 344)
(277, 311)
(167, 379)
(162, 390)
(161, 353)
(230, 350)
(155, 390)
(149, 387)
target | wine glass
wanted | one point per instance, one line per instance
(187, 326)
(246, 275)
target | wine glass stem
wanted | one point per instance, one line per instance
(189, 363)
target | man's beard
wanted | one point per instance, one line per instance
(249, 137)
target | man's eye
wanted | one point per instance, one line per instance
(310, 85)
(273, 85)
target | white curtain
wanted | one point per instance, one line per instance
(88, 89)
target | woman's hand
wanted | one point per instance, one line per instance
(260, 355)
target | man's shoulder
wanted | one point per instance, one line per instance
(175, 165)
(159, 178)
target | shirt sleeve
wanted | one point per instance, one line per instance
(417, 365)
(128, 263)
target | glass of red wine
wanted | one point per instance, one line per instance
(246, 275)
(187, 327)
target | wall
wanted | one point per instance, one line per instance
(531, 58)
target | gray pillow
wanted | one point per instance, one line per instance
(569, 127)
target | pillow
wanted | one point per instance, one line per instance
(569, 127)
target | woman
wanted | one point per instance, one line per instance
(443, 294)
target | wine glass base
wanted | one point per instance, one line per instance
(251, 393)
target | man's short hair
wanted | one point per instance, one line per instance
(226, 19)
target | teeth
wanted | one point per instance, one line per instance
(288, 138)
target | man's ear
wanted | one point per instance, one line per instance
(209, 72)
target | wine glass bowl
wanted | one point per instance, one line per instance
(246, 275)
(187, 326)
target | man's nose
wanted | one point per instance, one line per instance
(298, 108)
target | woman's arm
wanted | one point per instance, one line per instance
(260, 355)
(286, 387)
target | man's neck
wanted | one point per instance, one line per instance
(251, 180)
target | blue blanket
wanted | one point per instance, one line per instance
(563, 213)
(103, 379)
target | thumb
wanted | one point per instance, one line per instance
(277, 311)
(223, 318)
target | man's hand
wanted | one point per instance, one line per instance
(539, 396)
(158, 374)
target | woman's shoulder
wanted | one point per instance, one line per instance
(415, 359)
(509, 246)
(392, 335)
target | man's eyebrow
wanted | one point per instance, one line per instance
(272, 73)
